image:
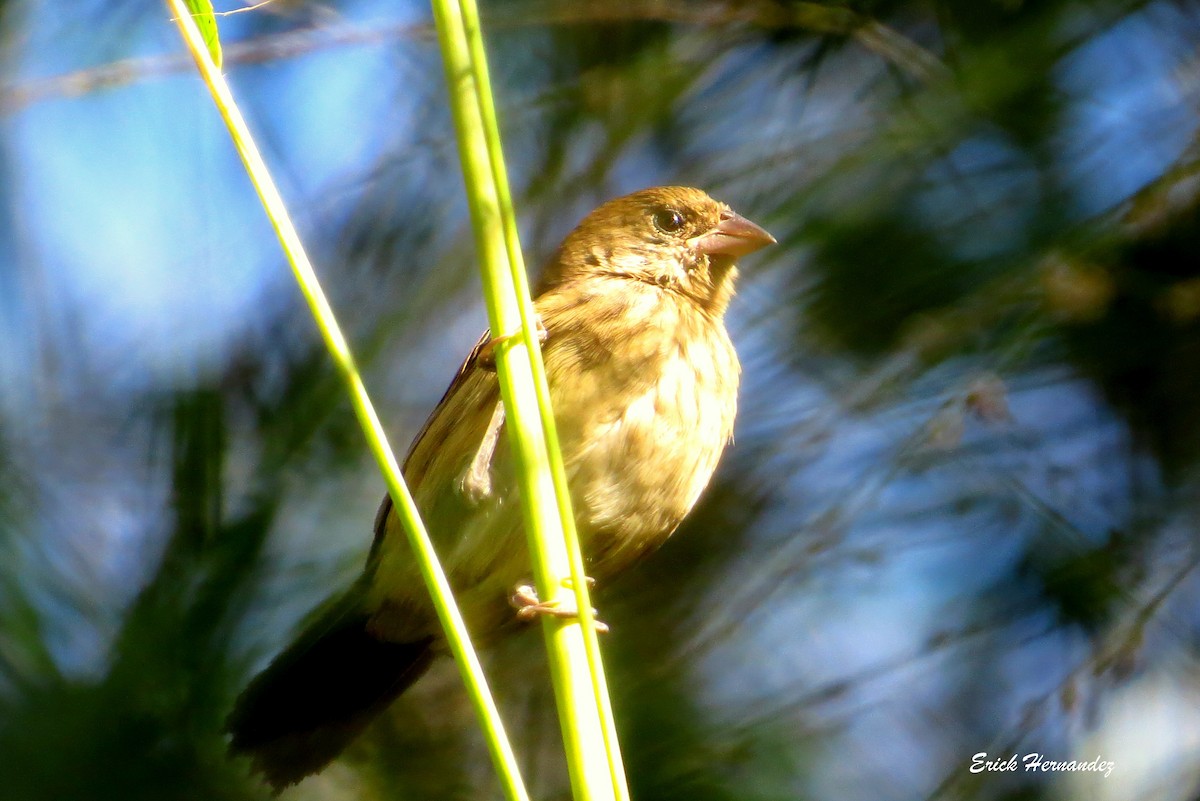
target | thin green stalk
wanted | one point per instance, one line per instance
(581, 691)
(435, 578)
(574, 554)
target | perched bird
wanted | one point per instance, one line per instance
(643, 380)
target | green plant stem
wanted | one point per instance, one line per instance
(435, 578)
(580, 688)
(574, 554)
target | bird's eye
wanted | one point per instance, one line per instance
(669, 221)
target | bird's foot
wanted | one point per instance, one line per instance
(529, 606)
(487, 353)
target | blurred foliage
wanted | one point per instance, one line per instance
(960, 513)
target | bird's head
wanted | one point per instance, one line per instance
(674, 237)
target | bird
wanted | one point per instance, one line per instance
(643, 381)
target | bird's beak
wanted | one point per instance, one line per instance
(733, 236)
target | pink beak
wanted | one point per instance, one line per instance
(733, 236)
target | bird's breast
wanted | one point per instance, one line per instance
(644, 394)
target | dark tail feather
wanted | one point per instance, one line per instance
(319, 694)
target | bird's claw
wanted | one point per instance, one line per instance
(487, 353)
(529, 607)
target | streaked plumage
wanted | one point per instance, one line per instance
(643, 380)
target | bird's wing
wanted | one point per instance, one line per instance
(469, 365)
(478, 536)
(456, 416)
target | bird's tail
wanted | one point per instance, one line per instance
(318, 695)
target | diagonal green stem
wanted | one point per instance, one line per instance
(435, 578)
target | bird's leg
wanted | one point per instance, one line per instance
(487, 354)
(525, 599)
(477, 483)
